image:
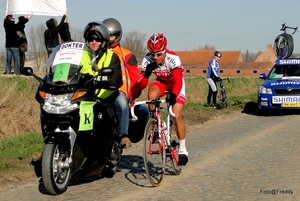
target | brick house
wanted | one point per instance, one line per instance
(231, 63)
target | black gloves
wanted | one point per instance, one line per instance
(172, 99)
(104, 85)
(150, 67)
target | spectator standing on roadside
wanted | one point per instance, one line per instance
(64, 32)
(51, 33)
(213, 77)
(11, 44)
(22, 38)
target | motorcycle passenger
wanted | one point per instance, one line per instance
(212, 78)
(97, 56)
(167, 67)
(128, 90)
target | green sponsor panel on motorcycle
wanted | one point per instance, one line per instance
(61, 73)
(86, 113)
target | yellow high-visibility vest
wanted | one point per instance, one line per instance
(103, 63)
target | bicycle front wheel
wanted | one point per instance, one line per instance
(154, 153)
(174, 148)
(224, 102)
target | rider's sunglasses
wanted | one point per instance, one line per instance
(157, 53)
(92, 39)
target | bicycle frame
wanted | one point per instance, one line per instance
(162, 125)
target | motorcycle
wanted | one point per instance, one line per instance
(79, 130)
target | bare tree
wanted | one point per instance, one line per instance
(207, 47)
(77, 34)
(36, 46)
(247, 56)
(135, 42)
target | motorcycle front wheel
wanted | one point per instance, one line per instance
(55, 171)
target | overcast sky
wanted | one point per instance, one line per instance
(224, 24)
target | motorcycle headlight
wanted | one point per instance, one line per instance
(59, 104)
(264, 90)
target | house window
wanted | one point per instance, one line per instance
(254, 71)
(187, 71)
(204, 71)
(238, 71)
(221, 71)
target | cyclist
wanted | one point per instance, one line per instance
(168, 69)
(130, 74)
(212, 78)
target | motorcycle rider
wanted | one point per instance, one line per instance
(97, 56)
(168, 69)
(128, 64)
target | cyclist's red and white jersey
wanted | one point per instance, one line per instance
(169, 73)
(163, 71)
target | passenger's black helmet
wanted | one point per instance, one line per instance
(218, 54)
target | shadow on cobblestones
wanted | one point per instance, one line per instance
(73, 182)
(136, 174)
(133, 170)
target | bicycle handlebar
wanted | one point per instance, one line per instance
(284, 27)
(132, 105)
(227, 78)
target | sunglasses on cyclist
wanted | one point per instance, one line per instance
(92, 39)
(157, 53)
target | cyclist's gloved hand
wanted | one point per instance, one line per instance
(172, 99)
(150, 67)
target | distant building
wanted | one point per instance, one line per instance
(231, 63)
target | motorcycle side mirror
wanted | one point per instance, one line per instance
(27, 71)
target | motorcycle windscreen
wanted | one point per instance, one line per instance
(64, 62)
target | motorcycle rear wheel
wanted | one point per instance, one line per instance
(55, 175)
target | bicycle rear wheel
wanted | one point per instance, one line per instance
(154, 153)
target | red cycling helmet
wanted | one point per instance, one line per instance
(157, 43)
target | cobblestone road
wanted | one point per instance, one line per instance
(243, 158)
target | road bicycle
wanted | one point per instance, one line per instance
(160, 141)
(222, 93)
